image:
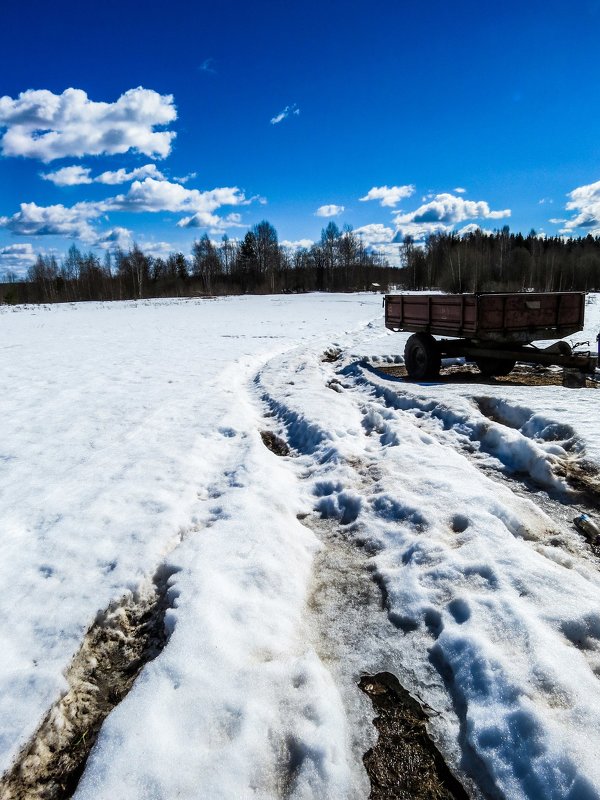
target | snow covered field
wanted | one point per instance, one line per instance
(131, 449)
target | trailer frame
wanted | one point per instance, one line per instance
(502, 327)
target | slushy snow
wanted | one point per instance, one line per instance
(131, 442)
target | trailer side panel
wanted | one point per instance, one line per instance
(499, 317)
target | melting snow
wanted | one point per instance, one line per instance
(131, 440)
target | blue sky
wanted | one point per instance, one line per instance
(405, 103)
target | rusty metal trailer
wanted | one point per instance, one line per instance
(493, 329)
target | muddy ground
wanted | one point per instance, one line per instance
(123, 638)
(404, 763)
(521, 375)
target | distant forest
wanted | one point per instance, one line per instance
(501, 261)
(259, 264)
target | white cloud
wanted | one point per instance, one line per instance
(379, 239)
(122, 176)
(41, 124)
(214, 223)
(17, 257)
(76, 175)
(585, 200)
(460, 190)
(185, 178)
(329, 211)
(388, 195)
(149, 195)
(287, 111)
(419, 231)
(472, 227)
(115, 239)
(153, 195)
(57, 220)
(69, 176)
(157, 249)
(297, 244)
(448, 209)
(375, 234)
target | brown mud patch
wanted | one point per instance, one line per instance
(520, 376)
(275, 443)
(584, 478)
(405, 764)
(331, 354)
(123, 638)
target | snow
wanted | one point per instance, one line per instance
(131, 442)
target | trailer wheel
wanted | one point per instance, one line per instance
(422, 356)
(494, 367)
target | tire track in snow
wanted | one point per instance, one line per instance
(347, 614)
(565, 458)
(126, 636)
(462, 584)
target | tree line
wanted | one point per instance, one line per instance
(256, 264)
(501, 261)
(339, 261)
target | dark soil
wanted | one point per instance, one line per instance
(274, 443)
(405, 764)
(123, 638)
(331, 355)
(521, 375)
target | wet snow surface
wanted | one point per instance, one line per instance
(408, 529)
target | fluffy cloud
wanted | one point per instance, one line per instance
(69, 176)
(287, 111)
(388, 195)
(47, 126)
(58, 220)
(329, 211)
(585, 201)
(298, 244)
(17, 257)
(149, 195)
(380, 239)
(449, 209)
(153, 195)
(77, 175)
(122, 176)
(214, 223)
(157, 249)
(459, 190)
(115, 239)
(472, 227)
(375, 234)
(185, 178)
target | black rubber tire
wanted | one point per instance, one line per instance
(422, 357)
(494, 367)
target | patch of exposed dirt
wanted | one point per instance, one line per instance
(123, 638)
(584, 477)
(405, 764)
(521, 375)
(275, 443)
(331, 354)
